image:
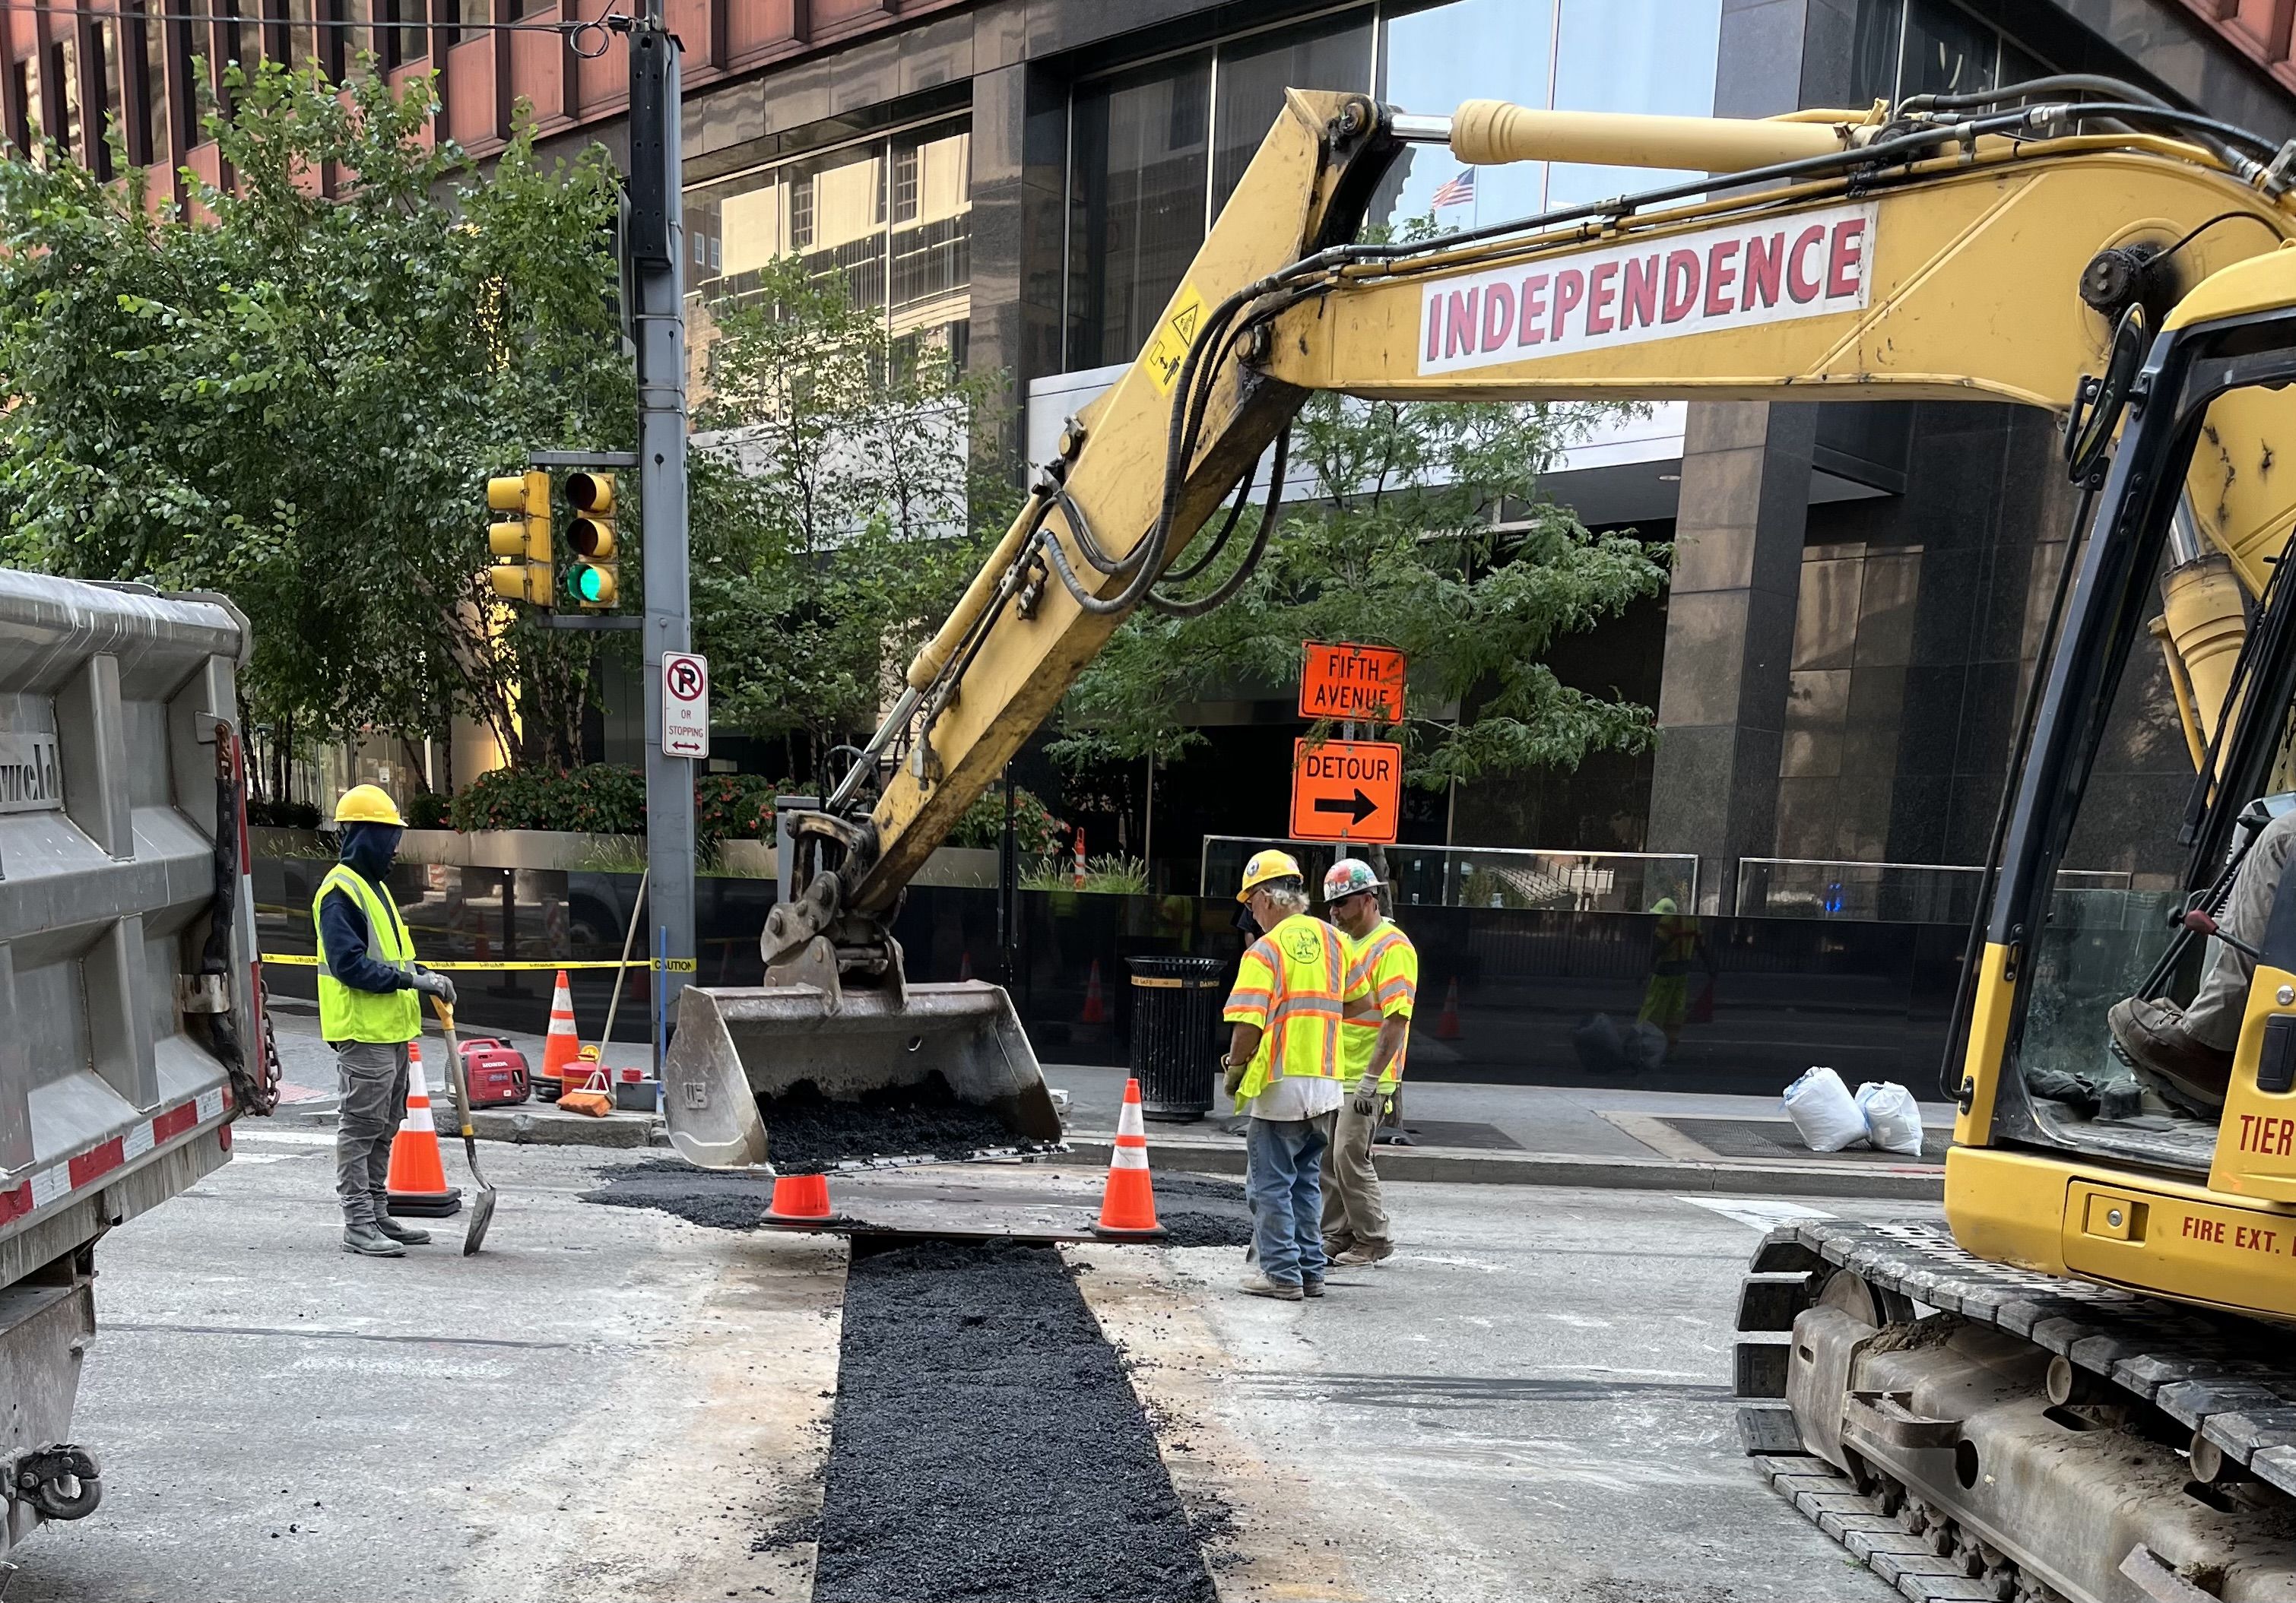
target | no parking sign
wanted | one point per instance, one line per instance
(685, 705)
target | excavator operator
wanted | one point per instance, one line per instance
(2185, 1052)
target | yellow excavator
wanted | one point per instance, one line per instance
(2074, 1394)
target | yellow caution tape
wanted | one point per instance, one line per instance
(675, 965)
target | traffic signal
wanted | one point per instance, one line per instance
(593, 578)
(521, 543)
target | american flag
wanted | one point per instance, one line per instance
(1459, 192)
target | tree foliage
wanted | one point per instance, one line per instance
(1426, 530)
(296, 398)
(839, 505)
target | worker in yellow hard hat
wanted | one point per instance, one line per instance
(370, 1007)
(1282, 1067)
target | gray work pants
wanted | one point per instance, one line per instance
(373, 1078)
(1353, 1211)
(2222, 1001)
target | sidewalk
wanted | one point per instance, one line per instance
(308, 1096)
(1557, 1135)
(1473, 1134)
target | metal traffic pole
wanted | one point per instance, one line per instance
(656, 230)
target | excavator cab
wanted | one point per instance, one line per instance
(2106, 782)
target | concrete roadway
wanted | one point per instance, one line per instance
(1529, 1403)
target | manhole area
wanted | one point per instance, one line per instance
(1773, 1138)
(988, 1443)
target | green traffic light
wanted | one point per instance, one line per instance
(591, 586)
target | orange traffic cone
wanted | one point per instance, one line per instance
(417, 1187)
(800, 1200)
(1095, 1002)
(562, 1049)
(1128, 1208)
(1447, 1022)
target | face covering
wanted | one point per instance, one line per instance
(1246, 925)
(369, 847)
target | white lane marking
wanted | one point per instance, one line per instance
(1756, 1213)
(284, 1138)
(268, 1157)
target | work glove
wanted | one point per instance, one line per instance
(1232, 1082)
(432, 984)
(1366, 1102)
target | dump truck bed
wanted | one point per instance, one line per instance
(122, 851)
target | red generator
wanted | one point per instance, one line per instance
(495, 1072)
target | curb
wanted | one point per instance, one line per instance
(538, 1126)
(1461, 1166)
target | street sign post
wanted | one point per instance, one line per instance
(685, 705)
(1352, 684)
(1348, 790)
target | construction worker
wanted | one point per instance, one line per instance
(1283, 1064)
(370, 1007)
(2185, 1053)
(1374, 1033)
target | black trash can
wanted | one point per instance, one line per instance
(1175, 1049)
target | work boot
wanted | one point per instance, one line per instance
(1311, 1284)
(1364, 1254)
(1333, 1245)
(405, 1235)
(1259, 1285)
(363, 1238)
(2153, 1037)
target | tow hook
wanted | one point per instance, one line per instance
(60, 1481)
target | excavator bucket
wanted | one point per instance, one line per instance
(740, 1051)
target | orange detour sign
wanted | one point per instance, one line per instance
(1348, 682)
(1346, 790)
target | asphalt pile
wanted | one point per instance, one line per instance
(986, 1442)
(697, 1196)
(807, 1133)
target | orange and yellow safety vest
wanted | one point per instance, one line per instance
(1387, 964)
(1294, 983)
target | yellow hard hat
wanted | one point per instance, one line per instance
(368, 804)
(1264, 867)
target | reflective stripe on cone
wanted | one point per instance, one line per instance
(1128, 1206)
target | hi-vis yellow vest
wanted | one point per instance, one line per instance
(389, 1017)
(1293, 983)
(1389, 962)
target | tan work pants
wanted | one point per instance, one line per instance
(1354, 1212)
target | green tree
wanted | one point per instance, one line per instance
(839, 506)
(295, 397)
(1426, 530)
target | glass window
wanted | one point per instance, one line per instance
(1948, 51)
(106, 117)
(894, 216)
(1873, 54)
(1136, 203)
(151, 37)
(63, 71)
(1432, 60)
(1248, 89)
(1653, 56)
(931, 239)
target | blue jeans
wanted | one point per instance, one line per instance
(1285, 1186)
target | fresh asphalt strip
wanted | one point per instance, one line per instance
(987, 1443)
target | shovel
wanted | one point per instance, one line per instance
(482, 1210)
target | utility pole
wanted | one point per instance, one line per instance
(655, 246)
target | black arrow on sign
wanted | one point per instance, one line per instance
(1359, 809)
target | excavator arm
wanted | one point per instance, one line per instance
(1963, 255)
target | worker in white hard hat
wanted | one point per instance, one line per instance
(370, 1007)
(1283, 1067)
(1374, 1031)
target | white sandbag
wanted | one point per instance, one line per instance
(1893, 1119)
(1824, 1112)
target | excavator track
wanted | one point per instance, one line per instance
(2184, 1390)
